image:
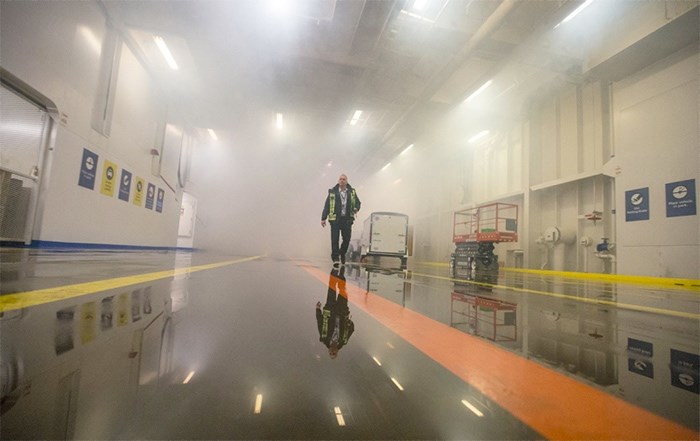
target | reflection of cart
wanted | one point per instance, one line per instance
(475, 231)
(490, 318)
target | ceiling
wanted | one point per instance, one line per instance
(318, 61)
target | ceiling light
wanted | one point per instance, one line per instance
(406, 149)
(414, 15)
(376, 361)
(419, 4)
(355, 117)
(330, 164)
(189, 377)
(583, 6)
(258, 404)
(280, 121)
(478, 91)
(212, 133)
(166, 52)
(396, 383)
(478, 136)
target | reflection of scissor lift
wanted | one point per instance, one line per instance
(490, 318)
(475, 231)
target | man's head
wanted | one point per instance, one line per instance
(343, 181)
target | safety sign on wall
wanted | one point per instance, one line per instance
(138, 191)
(150, 194)
(109, 176)
(125, 185)
(88, 166)
(637, 204)
(159, 201)
(639, 361)
(685, 370)
(680, 198)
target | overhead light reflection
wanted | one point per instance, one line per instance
(339, 416)
(419, 4)
(166, 52)
(212, 133)
(478, 91)
(473, 408)
(376, 361)
(189, 377)
(386, 166)
(258, 404)
(393, 380)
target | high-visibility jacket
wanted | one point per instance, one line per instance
(333, 206)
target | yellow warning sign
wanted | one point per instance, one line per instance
(109, 177)
(88, 322)
(138, 192)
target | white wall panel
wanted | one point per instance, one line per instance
(657, 142)
(568, 133)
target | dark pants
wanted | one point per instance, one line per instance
(340, 227)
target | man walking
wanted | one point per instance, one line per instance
(341, 205)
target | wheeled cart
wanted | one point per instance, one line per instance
(385, 234)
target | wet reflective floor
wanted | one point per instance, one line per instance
(132, 345)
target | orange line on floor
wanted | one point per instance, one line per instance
(551, 403)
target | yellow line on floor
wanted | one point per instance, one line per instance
(571, 297)
(26, 299)
(693, 284)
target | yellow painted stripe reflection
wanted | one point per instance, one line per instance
(611, 303)
(26, 299)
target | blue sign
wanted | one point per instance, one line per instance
(637, 204)
(640, 360)
(680, 198)
(685, 370)
(150, 194)
(159, 201)
(87, 169)
(125, 186)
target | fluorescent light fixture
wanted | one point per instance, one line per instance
(478, 91)
(406, 149)
(166, 52)
(419, 4)
(386, 166)
(376, 361)
(280, 121)
(258, 404)
(416, 16)
(396, 383)
(478, 136)
(355, 117)
(212, 133)
(583, 6)
(473, 408)
(189, 377)
(339, 416)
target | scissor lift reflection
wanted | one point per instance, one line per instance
(482, 313)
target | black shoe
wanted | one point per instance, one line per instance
(342, 260)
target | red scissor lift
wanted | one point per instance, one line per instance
(475, 231)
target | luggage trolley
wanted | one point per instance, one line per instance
(475, 231)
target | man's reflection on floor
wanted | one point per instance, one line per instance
(335, 324)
